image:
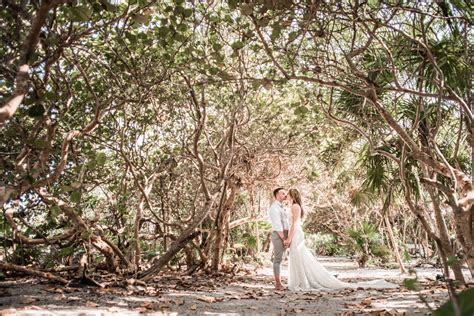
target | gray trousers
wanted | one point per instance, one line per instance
(278, 250)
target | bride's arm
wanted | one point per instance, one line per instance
(295, 215)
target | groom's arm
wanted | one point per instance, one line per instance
(282, 236)
(276, 222)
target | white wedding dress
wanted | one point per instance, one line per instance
(306, 273)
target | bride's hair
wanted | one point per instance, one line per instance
(295, 195)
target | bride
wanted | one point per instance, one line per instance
(305, 272)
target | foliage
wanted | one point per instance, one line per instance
(466, 304)
(141, 122)
(325, 244)
(367, 241)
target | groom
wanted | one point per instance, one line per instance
(279, 220)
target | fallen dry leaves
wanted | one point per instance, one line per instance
(365, 303)
(171, 292)
(385, 312)
(295, 310)
(28, 300)
(207, 299)
(53, 289)
(179, 302)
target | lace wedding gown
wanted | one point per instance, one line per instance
(306, 273)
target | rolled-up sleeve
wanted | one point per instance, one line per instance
(275, 218)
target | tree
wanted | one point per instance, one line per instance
(357, 50)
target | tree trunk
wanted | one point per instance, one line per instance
(164, 215)
(470, 254)
(186, 236)
(46, 275)
(22, 79)
(222, 226)
(445, 247)
(148, 186)
(394, 244)
(136, 234)
(98, 242)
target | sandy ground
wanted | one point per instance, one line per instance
(243, 294)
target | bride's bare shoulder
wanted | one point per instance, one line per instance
(295, 207)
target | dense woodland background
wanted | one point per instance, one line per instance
(139, 135)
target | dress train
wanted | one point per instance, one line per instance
(307, 273)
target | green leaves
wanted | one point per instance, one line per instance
(366, 239)
(246, 9)
(75, 196)
(54, 212)
(96, 159)
(267, 84)
(163, 31)
(452, 260)
(217, 46)
(237, 45)
(137, 72)
(373, 3)
(75, 185)
(233, 4)
(36, 110)
(466, 305)
(66, 188)
(100, 158)
(179, 10)
(293, 35)
(182, 27)
(251, 242)
(411, 284)
(141, 18)
(263, 21)
(66, 251)
(376, 176)
(276, 32)
(301, 111)
(187, 13)
(80, 13)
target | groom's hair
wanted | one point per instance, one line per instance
(275, 192)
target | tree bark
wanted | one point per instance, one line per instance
(138, 217)
(17, 268)
(97, 241)
(186, 236)
(222, 225)
(8, 109)
(444, 243)
(394, 244)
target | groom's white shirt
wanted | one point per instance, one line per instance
(278, 217)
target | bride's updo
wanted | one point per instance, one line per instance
(295, 195)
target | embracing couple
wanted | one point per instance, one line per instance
(305, 271)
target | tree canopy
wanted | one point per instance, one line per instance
(137, 134)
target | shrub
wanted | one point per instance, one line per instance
(366, 243)
(325, 244)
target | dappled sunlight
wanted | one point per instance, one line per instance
(202, 157)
